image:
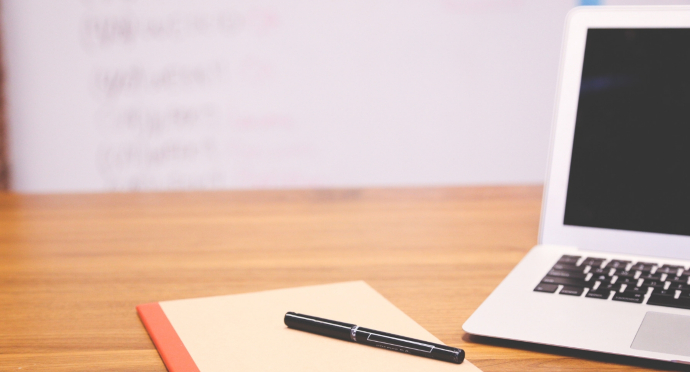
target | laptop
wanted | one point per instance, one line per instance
(611, 272)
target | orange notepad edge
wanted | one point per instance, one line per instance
(169, 345)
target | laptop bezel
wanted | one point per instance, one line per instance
(552, 229)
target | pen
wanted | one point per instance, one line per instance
(366, 336)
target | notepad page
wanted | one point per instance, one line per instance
(246, 332)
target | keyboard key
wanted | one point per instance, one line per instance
(641, 290)
(628, 297)
(656, 276)
(653, 283)
(568, 267)
(672, 267)
(679, 287)
(669, 269)
(660, 300)
(682, 279)
(564, 281)
(628, 281)
(566, 259)
(625, 274)
(599, 293)
(669, 301)
(593, 261)
(609, 287)
(567, 274)
(617, 264)
(663, 292)
(545, 287)
(643, 266)
(571, 291)
(599, 271)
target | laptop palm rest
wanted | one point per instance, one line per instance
(664, 333)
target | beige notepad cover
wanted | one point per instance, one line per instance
(246, 332)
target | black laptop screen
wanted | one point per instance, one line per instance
(630, 167)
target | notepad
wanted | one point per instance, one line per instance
(245, 332)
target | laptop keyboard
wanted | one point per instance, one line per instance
(626, 281)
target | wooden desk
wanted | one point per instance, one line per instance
(72, 268)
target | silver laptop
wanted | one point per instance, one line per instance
(611, 272)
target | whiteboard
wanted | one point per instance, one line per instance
(123, 95)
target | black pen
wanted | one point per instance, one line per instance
(366, 336)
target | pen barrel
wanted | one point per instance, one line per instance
(320, 326)
(408, 345)
(371, 337)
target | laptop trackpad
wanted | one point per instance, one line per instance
(664, 333)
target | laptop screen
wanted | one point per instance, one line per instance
(630, 167)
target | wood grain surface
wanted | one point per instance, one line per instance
(4, 140)
(73, 267)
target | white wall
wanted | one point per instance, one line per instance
(156, 95)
